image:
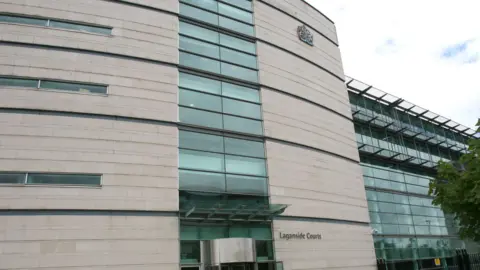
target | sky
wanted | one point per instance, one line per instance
(424, 51)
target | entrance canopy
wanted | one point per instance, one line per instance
(217, 207)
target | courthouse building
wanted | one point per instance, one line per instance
(205, 134)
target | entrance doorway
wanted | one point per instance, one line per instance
(238, 266)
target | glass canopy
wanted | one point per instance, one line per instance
(363, 89)
(220, 207)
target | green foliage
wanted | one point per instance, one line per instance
(457, 190)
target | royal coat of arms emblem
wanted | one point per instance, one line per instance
(305, 35)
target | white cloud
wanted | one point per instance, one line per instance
(425, 51)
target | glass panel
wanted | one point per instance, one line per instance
(18, 82)
(242, 125)
(237, 43)
(246, 184)
(264, 250)
(200, 141)
(244, 147)
(199, 32)
(22, 20)
(236, 26)
(199, 47)
(239, 72)
(241, 108)
(201, 160)
(200, 101)
(201, 118)
(198, 14)
(202, 181)
(190, 252)
(64, 179)
(240, 3)
(203, 63)
(213, 232)
(200, 83)
(64, 86)
(239, 231)
(189, 233)
(238, 58)
(240, 92)
(12, 178)
(235, 13)
(244, 165)
(206, 4)
(81, 27)
(261, 232)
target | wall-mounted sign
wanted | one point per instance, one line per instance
(305, 35)
(301, 236)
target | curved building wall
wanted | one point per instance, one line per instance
(127, 221)
(311, 150)
(94, 91)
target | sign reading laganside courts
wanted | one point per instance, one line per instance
(301, 236)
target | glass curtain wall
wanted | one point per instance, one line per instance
(399, 153)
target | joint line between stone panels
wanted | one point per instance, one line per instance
(4, 212)
(219, 14)
(297, 19)
(85, 51)
(123, 2)
(304, 59)
(321, 13)
(312, 148)
(306, 100)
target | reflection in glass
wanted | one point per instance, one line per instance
(201, 160)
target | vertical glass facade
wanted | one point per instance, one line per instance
(399, 154)
(222, 163)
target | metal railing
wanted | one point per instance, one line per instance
(462, 260)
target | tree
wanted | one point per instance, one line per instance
(456, 189)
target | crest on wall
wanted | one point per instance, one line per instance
(305, 35)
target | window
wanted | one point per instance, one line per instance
(56, 85)
(18, 82)
(50, 179)
(215, 104)
(222, 164)
(74, 87)
(56, 24)
(232, 16)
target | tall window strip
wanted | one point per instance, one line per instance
(22, 178)
(53, 85)
(220, 164)
(219, 104)
(215, 52)
(233, 15)
(54, 23)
